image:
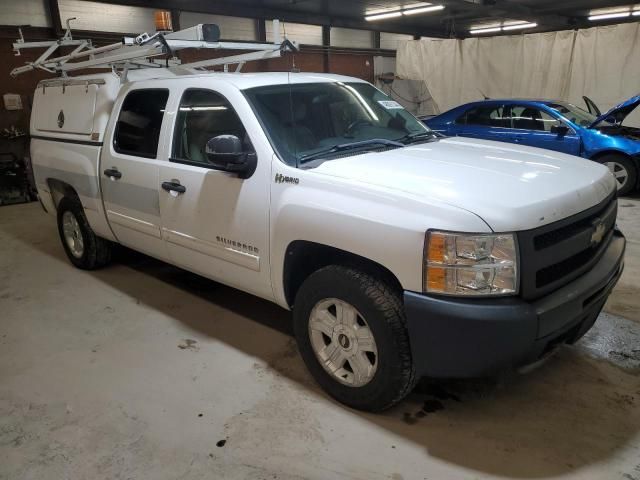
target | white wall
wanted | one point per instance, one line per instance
(107, 18)
(351, 38)
(25, 12)
(299, 32)
(390, 41)
(231, 28)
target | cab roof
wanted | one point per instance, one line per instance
(242, 81)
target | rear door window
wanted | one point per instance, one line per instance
(138, 128)
(485, 116)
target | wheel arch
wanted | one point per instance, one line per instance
(304, 257)
(633, 158)
(610, 151)
(60, 189)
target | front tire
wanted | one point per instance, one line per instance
(83, 247)
(623, 169)
(351, 332)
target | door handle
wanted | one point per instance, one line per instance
(173, 187)
(113, 173)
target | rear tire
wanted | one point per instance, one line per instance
(376, 344)
(623, 169)
(83, 247)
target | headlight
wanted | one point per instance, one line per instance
(463, 264)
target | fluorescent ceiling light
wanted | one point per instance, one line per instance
(411, 10)
(503, 28)
(519, 26)
(636, 13)
(432, 8)
(607, 16)
(485, 30)
(380, 16)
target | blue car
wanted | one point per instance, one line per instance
(554, 125)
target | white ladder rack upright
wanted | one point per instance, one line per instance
(138, 52)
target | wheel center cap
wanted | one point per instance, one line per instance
(344, 341)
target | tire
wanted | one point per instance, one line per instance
(621, 167)
(379, 309)
(89, 251)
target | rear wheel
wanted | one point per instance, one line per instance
(623, 169)
(351, 331)
(83, 247)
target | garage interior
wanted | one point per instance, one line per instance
(142, 370)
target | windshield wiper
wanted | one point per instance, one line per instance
(410, 137)
(350, 146)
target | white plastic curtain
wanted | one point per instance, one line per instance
(602, 63)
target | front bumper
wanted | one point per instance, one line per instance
(475, 337)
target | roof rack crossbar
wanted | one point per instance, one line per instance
(134, 51)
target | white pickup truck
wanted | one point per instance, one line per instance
(401, 253)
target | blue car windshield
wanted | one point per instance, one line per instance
(574, 114)
(305, 120)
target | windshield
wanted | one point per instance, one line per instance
(574, 114)
(303, 120)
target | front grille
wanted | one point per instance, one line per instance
(547, 239)
(553, 255)
(559, 270)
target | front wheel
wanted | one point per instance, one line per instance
(623, 169)
(351, 331)
(83, 247)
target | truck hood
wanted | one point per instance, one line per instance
(619, 112)
(510, 187)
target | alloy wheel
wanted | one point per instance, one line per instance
(343, 342)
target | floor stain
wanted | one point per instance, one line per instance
(221, 443)
(634, 355)
(189, 344)
(431, 406)
(438, 391)
(409, 419)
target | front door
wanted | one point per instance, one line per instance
(129, 171)
(534, 127)
(215, 223)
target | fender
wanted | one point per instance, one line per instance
(377, 221)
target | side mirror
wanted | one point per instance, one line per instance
(225, 152)
(560, 130)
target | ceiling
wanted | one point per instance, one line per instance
(455, 20)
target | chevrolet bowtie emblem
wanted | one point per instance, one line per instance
(598, 233)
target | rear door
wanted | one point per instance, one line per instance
(130, 172)
(535, 127)
(484, 121)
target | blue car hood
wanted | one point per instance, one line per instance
(619, 112)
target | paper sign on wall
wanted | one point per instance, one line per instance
(12, 101)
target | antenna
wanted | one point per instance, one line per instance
(138, 52)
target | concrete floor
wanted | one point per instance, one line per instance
(143, 371)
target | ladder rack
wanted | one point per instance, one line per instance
(139, 52)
